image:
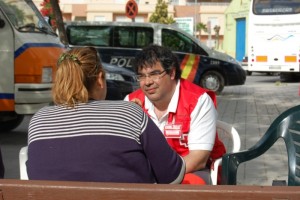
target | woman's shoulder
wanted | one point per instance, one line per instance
(119, 104)
(45, 109)
(123, 109)
(43, 113)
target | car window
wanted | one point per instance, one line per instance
(89, 35)
(132, 37)
(177, 41)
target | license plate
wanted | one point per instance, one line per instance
(275, 67)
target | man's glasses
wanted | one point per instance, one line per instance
(155, 75)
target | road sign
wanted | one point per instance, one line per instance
(186, 24)
(131, 9)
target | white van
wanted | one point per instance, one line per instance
(29, 50)
(118, 42)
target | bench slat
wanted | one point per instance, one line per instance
(62, 190)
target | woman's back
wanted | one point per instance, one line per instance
(105, 141)
(96, 140)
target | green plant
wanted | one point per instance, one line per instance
(160, 14)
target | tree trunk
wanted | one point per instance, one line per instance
(59, 22)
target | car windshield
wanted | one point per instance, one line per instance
(25, 17)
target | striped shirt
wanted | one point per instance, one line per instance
(105, 141)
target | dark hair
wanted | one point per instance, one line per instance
(152, 54)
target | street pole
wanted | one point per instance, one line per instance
(195, 19)
(137, 2)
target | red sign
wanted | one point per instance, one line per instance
(131, 9)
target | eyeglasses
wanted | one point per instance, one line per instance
(155, 75)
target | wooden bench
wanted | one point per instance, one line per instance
(11, 189)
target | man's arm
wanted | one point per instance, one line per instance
(202, 134)
(196, 160)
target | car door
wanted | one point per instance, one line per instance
(126, 42)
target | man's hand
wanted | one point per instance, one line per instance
(137, 101)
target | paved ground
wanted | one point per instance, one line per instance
(250, 109)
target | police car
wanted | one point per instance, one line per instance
(118, 43)
(120, 82)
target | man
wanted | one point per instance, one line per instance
(183, 111)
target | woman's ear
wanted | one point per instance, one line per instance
(101, 79)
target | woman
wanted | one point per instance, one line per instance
(85, 138)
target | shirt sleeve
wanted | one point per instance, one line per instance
(167, 165)
(126, 98)
(203, 125)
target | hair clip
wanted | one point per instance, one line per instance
(68, 56)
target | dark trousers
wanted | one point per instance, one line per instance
(1, 166)
(205, 175)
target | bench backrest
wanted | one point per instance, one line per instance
(11, 189)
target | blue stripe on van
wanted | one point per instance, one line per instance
(28, 45)
(6, 96)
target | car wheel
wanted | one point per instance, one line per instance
(10, 122)
(213, 80)
(248, 73)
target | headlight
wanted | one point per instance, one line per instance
(231, 59)
(47, 75)
(113, 76)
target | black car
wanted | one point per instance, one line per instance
(120, 82)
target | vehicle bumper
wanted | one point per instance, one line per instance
(29, 98)
(236, 76)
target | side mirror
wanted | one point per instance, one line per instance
(2, 23)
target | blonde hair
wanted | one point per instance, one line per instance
(77, 72)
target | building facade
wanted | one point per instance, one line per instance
(236, 28)
(207, 12)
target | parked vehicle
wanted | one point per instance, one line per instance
(120, 82)
(29, 50)
(249, 73)
(273, 38)
(118, 42)
(245, 65)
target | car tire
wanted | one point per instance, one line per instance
(212, 80)
(248, 73)
(13, 121)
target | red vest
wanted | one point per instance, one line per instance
(188, 98)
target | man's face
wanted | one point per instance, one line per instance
(156, 83)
